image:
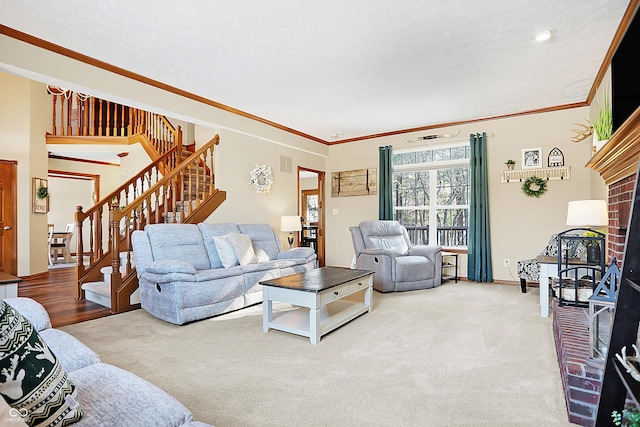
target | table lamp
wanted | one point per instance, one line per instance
(587, 213)
(290, 224)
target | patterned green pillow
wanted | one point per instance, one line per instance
(31, 377)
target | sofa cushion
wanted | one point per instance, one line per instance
(302, 252)
(388, 235)
(32, 378)
(182, 242)
(225, 251)
(209, 230)
(114, 397)
(71, 353)
(243, 248)
(35, 313)
(262, 237)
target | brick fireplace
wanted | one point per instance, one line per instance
(619, 199)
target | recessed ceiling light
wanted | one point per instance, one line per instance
(336, 134)
(543, 35)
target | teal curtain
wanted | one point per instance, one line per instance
(479, 246)
(385, 195)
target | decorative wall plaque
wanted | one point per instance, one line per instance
(556, 158)
(358, 182)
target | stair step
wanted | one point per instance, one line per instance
(98, 292)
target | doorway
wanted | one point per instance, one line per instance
(8, 217)
(311, 209)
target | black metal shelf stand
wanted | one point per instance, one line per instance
(574, 274)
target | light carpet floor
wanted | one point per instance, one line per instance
(463, 354)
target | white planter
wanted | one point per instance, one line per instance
(597, 145)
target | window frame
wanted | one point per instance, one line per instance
(432, 167)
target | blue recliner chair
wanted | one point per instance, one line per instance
(398, 265)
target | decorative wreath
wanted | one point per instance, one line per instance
(529, 185)
(261, 178)
(43, 192)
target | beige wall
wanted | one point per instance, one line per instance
(66, 194)
(520, 225)
(22, 126)
(236, 156)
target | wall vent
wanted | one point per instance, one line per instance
(285, 164)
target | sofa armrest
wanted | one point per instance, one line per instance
(170, 266)
(379, 252)
(168, 277)
(32, 310)
(301, 252)
(427, 251)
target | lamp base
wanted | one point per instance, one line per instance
(290, 240)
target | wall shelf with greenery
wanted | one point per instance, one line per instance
(550, 174)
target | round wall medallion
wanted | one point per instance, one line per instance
(261, 178)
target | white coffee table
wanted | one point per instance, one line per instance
(325, 299)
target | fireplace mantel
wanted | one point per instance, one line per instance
(618, 158)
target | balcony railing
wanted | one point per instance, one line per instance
(446, 236)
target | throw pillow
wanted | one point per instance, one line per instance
(225, 251)
(243, 248)
(32, 380)
(262, 255)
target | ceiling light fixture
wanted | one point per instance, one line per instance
(336, 134)
(543, 35)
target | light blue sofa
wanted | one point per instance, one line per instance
(182, 277)
(108, 395)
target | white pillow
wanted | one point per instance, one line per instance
(262, 255)
(243, 248)
(225, 251)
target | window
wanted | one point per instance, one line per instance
(431, 186)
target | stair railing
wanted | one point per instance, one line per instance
(76, 114)
(186, 194)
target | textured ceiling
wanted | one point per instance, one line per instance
(351, 68)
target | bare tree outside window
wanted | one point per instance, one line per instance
(431, 188)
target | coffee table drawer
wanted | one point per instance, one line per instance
(345, 289)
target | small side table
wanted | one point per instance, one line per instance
(451, 263)
(8, 285)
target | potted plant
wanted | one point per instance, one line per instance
(593, 247)
(510, 164)
(630, 417)
(602, 124)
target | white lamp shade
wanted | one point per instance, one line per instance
(290, 223)
(582, 213)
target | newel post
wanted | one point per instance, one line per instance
(116, 278)
(77, 215)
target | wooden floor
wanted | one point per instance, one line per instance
(56, 292)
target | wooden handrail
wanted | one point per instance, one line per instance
(126, 192)
(79, 115)
(174, 197)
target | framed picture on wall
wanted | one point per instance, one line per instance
(532, 158)
(40, 195)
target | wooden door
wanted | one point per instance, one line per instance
(8, 218)
(321, 230)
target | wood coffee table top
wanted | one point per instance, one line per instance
(318, 279)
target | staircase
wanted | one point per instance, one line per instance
(178, 186)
